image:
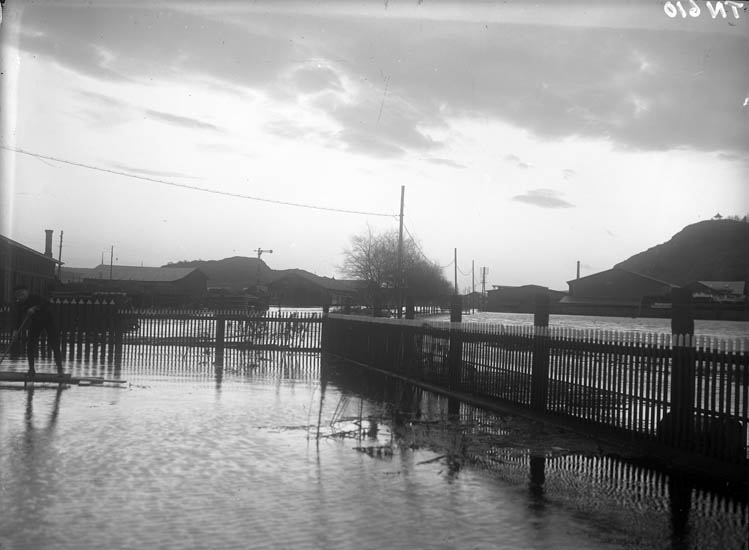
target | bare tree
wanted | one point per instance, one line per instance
(373, 258)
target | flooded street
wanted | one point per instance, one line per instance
(728, 330)
(264, 455)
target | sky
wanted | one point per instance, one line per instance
(526, 136)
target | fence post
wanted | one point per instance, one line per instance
(681, 427)
(455, 357)
(325, 333)
(119, 327)
(540, 366)
(410, 310)
(220, 325)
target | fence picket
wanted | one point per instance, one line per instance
(622, 380)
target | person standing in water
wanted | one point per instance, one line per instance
(35, 314)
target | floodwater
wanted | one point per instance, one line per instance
(729, 330)
(270, 454)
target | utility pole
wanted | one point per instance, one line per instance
(59, 258)
(260, 252)
(473, 283)
(484, 271)
(399, 285)
(455, 261)
(473, 276)
(111, 261)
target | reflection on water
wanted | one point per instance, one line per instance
(271, 455)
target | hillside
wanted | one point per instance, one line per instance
(714, 250)
(234, 273)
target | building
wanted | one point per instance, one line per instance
(719, 291)
(473, 300)
(20, 264)
(616, 291)
(145, 286)
(299, 288)
(518, 299)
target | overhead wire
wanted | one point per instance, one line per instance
(421, 251)
(192, 187)
(44, 158)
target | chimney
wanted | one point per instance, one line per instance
(578, 269)
(48, 243)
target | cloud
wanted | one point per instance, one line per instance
(84, 56)
(633, 87)
(102, 100)
(183, 121)
(107, 110)
(103, 110)
(446, 162)
(381, 127)
(215, 147)
(514, 159)
(543, 198)
(315, 78)
(147, 172)
(734, 157)
(139, 43)
(369, 143)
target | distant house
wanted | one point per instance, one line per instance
(299, 288)
(146, 286)
(20, 264)
(719, 291)
(473, 300)
(520, 299)
(615, 291)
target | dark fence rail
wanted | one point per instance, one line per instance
(102, 331)
(685, 392)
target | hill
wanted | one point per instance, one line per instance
(235, 273)
(713, 250)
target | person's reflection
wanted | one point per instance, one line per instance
(34, 462)
(536, 483)
(54, 413)
(219, 379)
(680, 500)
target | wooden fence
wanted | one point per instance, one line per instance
(217, 335)
(690, 393)
(89, 330)
(102, 331)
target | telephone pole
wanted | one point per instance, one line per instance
(59, 258)
(399, 285)
(473, 276)
(484, 271)
(455, 261)
(260, 252)
(473, 284)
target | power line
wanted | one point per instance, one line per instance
(192, 187)
(463, 273)
(416, 244)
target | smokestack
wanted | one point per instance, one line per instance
(48, 243)
(578, 269)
